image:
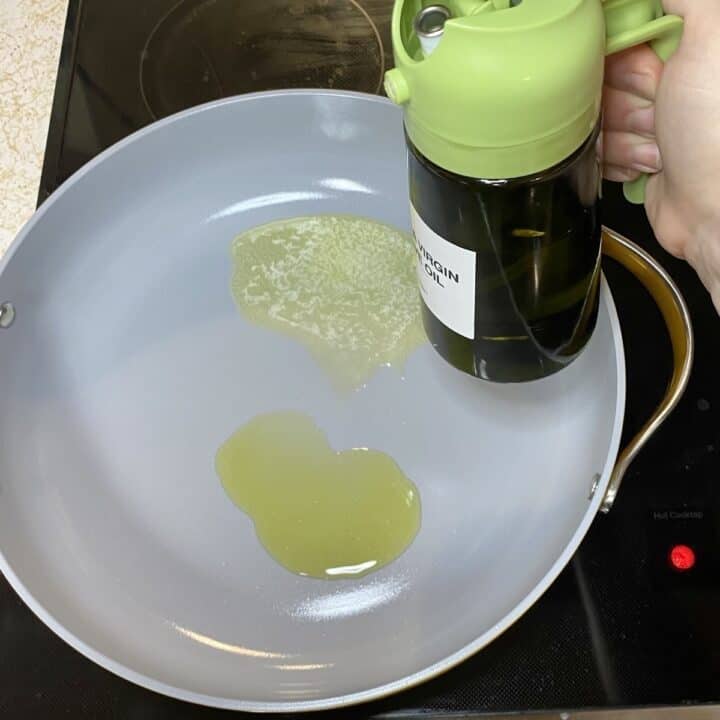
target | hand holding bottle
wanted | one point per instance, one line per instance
(665, 119)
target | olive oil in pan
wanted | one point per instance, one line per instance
(318, 512)
(344, 286)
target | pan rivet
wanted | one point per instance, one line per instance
(7, 315)
(594, 486)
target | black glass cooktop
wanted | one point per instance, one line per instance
(620, 627)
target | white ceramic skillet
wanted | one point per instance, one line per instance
(125, 365)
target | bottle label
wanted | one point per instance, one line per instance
(446, 273)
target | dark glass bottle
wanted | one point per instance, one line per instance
(534, 244)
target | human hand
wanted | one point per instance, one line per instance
(666, 120)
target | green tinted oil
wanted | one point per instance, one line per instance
(318, 512)
(342, 285)
(537, 250)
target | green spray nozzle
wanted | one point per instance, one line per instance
(513, 87)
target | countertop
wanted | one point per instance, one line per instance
(30, 38)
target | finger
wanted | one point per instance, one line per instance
(697, 11)
(701, 16)
(682, 7)
(624, 111)
(630, 151)
(675, 7)
(620, 174)
(636, 70)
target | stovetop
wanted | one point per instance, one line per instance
(620, 627)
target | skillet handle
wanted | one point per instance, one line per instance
(677, 319)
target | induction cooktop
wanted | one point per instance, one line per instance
(623, 627)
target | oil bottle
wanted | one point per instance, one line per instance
(502, 116)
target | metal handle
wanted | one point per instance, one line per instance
(677, 319)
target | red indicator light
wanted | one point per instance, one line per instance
(682, 557)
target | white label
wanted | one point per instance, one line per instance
(446, 274)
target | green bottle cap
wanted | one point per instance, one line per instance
(512, 87)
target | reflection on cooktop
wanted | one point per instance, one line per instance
(201, 50)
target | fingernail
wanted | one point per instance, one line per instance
(642, 120)
(644, 85)
(646, 157)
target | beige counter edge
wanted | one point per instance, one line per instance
(30, 39)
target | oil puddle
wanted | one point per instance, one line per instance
(318, 512)
(344, 286)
